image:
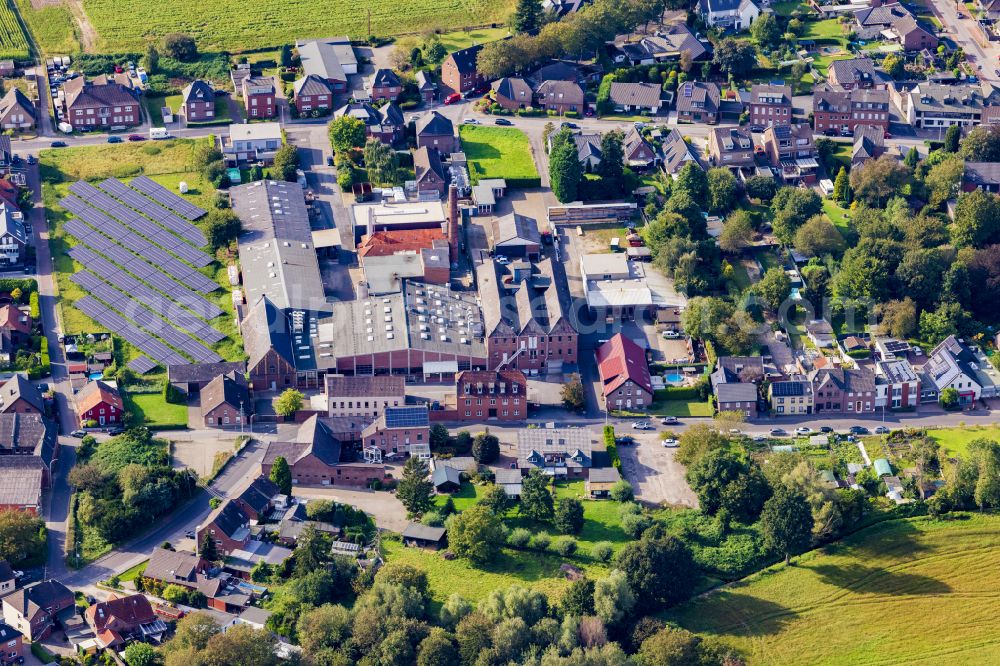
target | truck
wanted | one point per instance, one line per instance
(158, 133)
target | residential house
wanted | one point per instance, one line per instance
(35, 610)
(894, 22)
(981, 176)
(624, 372)
(510, 480)
(227, 526)
(384, 84)
(11, 645)
(258, 96)
(11, 169)
(363, 395)
(386, 125)
(99, 402)
(429, 174)
(13, 235)
(512, 93)
(331, 59)
(658, 44)
(313, 95)
(770, 104)
(399, 431)
(15, 328)
(821, 333)
(790, 150)
(459, 73)
(559, 70)
(843, 390)
(17, 112)
(560, 96)
(8, 581)
(123, 620)
(259, 498)
(636, 97)
(30, 436)
(436, 131)
(736, 15)
(956, 364)
(175, 567)
(427, 86)
(897, 385)
(198, 102)
(869, 144)
(191, 378)
(588, 149)
(314, 456)
(731, 147)
(855, 73)
(734, 382)
(416, 535)
(676, 152)
(792, 396)
(22, 479)
(600, 481)
(19, 395)
(563, 453)
(638, 152)
(842, 111)
(251, 143)
(934, 105)
(698, 102)
(225, 401)
(500, 395)
(94, 105)
(517, 236)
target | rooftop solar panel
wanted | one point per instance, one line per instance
(405, 417)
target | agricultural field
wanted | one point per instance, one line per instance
(903, 591)
(230, 25)
(13, 41)
(51, 26)
(497, 152)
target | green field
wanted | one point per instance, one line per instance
(905, 591)
(460, 39)
(955, 441)
(152, 410)
(497, 152)
(13, 42)
(230, 25)
(51, 27)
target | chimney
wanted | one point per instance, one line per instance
(453, 221)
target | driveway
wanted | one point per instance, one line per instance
(654, 473)
(387, 511)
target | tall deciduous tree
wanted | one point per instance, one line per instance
(735, 56)
(536, 500)
(818, 237)
(476, 534)
(765, 29)
(722, 189)
(415, 490)
(486, 447)
(381, 162)
(660, 571)
(289, 402)
(569, 515)
(876, 181)
(612, 165)
(286, 161)
(346, 132)
(281, 475)
(565, 172)
(787, 523)
(737, 232)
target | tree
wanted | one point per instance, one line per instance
(912, 157)
(325, 627)
(241, 645)
(222, 228)
(611, 168)
(952, 138)
(572, 393)
(622, 491)
(290, 401)
(415, 490)
(765, 30)
(434, 50)
(943, 180)
(286, 162)
(842, 187)
(671, 645)
(181, 47)
(569, 515)
(722, 189)
(949, 398)
(691, 181)
(536, 500)
(141, 654)
(579, 598)
(285, 56)
(486, 448)
(613, 598)
(194, 630)
(977, 219)
(281, 475)
(711, 474)
(527, 16)
(565, 172)
(476, 534)
(346, 132)
(737, 232)
(876, 181)
(660, 571)
(495, 498)
(735, 56)
(439, 437)
(438, 649)
(898, 319)
(773, 288)
(818, 237)
(762, 188)
(207, 550)
(381, 162)
(982, 144)
(152, 60)
(22, 536)
(786, 523)
(686, 60)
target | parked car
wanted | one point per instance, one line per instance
(502, 260)
(826, 429)
(669, 420)
(670, 443)
(114, 139)
(452, 98)
(881, 430)
(569, 125)
(760, 437)
(778, 432)
(79, 434)
(642, 425)
(859, 430)
(470, 121)
(32, 159)
(624, 440)
(803, 430)
(58, 144)
(503, 121)
(114, 432)
(136, 137)
(671, 335)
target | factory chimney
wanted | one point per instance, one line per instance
(453, 220)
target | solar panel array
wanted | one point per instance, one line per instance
(113, 321)
(405, 417)
(141, 364)
(151, 209)
(166, 198)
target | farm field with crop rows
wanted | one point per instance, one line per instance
(13, 42)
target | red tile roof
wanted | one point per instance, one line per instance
(116, 618)
(619, 360)
(95, 393)
(11, 317)
(385, 243)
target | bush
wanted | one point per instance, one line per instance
(172, 394)
(565, 546)
(622, 491)
(432, 518)
(541, 540)
(612, 446)
(634, 524)
(602, 551)
(519, 537)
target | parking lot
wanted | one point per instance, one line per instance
(657, 478)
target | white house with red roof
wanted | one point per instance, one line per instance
(624, 374)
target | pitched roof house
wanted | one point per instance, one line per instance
(458, 71)
(20, 395)
(228, 526)
(95, 104)
(225, 400)
(639, 154)
(698, 102)
(725, 14)
(314, 456)
(869, 144)
(854, 73)
(100, 402)
(676, 152)
(894, 22)
(258, 498)
(512, 93)
(198, 102)
(731, 147)
(34, 610)
(312, 93)
(843, 390)
(384, 84)
(121, 620)
(17, 112)
(636, 97)
(13, 235)
(560, 96)
(428, 172)
(436, 131)
(624, 373)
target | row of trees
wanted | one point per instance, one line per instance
(611, 179)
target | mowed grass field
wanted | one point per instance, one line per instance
(902, 592)
(955, 441)
(497, 152)
(231, 25)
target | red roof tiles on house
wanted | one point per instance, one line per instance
(619, 360)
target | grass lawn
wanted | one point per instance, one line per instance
(837, 215)
(857, 602)
(497, 152)
(231, 25)
(602, 237)
(464, 498)
(51, 26)
(955, 441)
(460, 39)
(154, 411)
(133, 572)
(681, 408)
(222, 115)
(828, 31)
(154, 104)
(786, 8)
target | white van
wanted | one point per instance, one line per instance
(158, 133)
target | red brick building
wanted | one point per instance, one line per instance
(11, 645)
(313, 94)
(258, 96)
(770, 105)
(487, 395)
(459, 73)
(225, 401)
(228, 526)
(841, 111)
(314, 457)
(624, 373)
(512, 93)
(99, 402)
(843, 390)
(399, 431)
(385, 85)
(122, 620)
(258, 498)
(100, 105)
(198, 102)
(20, 396)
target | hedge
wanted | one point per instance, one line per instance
(25, 285)
(44, 369)
(677, 393)
(609, 442)
(36, 312)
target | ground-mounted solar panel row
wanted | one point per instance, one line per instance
(141, 364)
(154, 210)
(166, 198)
(128, 331)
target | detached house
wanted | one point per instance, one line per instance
(259, 498)
(385, 124)
(427, 86)
(676, 152)
(560, 96)
(17, 112)
(331, 59)
(895, 23)
(625, 379)
(698, 102)
(228, 526)
(512, 93)
(13, 235)
(384, 85)
(100, 105)
(258, 96)
(99, 402)
(122, 620)
(436, 131)
(35, 610)
(459, 73)
(854, 73)
(636, 97)
(869, 144)
(313, 94)
(20, 396)
(736, 15)
(225, 401)
(198, 102)
(730, 147)
(639, 154)
(965, 368)
(558, 452)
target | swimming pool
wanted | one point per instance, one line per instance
(675, 378)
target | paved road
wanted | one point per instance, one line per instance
(960, 30)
